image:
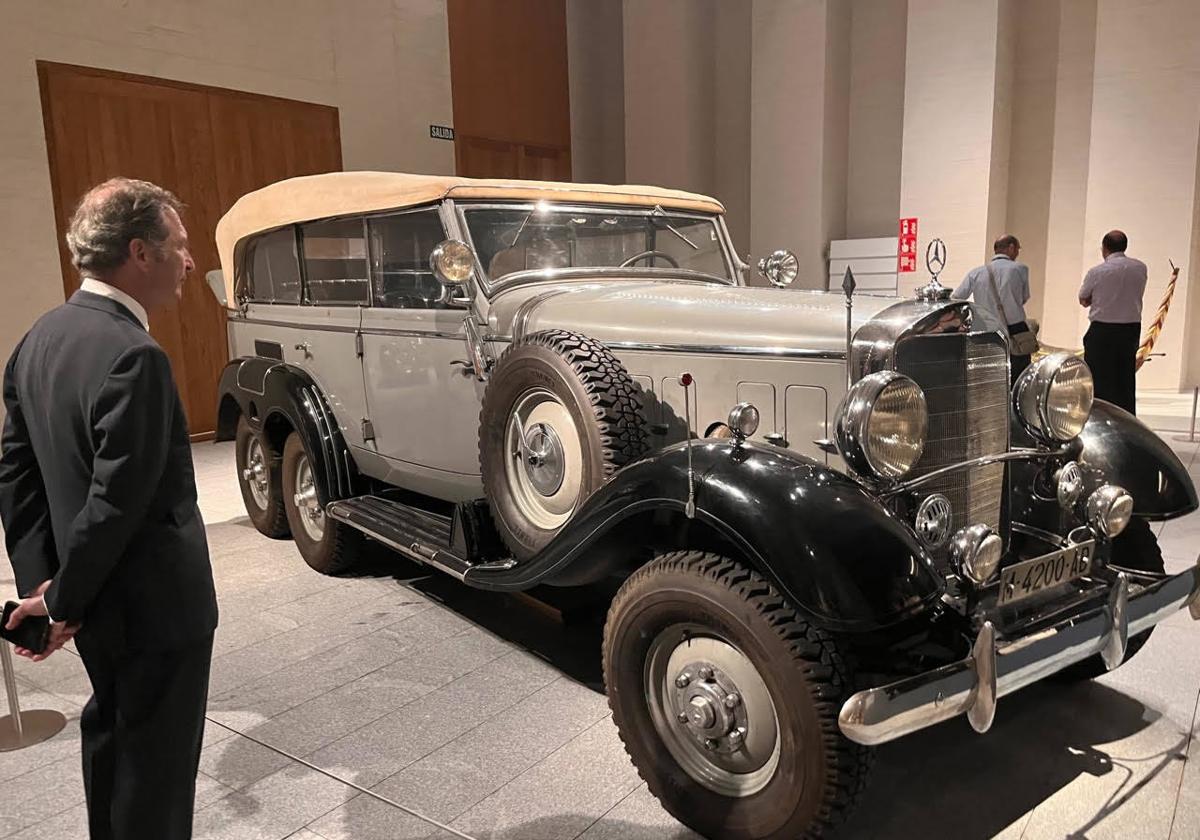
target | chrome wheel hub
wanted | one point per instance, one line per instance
(544, 464)
(312, 515)
(544, 459)
(255, 474)
(713, 711)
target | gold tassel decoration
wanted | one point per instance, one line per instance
(1156, 325)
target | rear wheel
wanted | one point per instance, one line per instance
(727, 701)
(260, 482)
(328, 546)
(1134, 548)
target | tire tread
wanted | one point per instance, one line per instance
(814, 650)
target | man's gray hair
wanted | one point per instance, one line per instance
(113, 214)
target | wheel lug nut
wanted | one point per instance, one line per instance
(732, 701)
(683, 680)
(710, 744)
(706, 673)
(735, 737)
(682, 717)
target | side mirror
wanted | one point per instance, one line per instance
(216, 284)
(780, 268)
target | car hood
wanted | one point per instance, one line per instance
(684, 314)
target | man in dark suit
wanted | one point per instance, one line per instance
(98, 501)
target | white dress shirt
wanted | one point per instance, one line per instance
(99, 287)
(1114, 290)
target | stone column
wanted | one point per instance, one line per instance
(799, 129)
(1142, 170)
(957, 114)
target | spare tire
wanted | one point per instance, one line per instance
(560, 415)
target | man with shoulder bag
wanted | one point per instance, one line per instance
(1000, 289)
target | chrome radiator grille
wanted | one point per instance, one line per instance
(965, 380)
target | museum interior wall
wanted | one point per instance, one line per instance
(812, 120)
(1055, 120)
(311, 52)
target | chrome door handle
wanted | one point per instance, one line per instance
(306, 347)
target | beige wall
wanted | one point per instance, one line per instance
(950, 128)
(1142, 166)
(389, 81)
(878, 32)
(670, 118)
(798, 130)
(596, 78)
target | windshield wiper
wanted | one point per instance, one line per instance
(658, 211)
(521, 228)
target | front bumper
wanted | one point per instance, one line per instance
(1000, 666)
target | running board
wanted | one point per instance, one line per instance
(415, 533)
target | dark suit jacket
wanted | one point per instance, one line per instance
(97, 489)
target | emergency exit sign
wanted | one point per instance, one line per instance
(441, 132)
(906, 251)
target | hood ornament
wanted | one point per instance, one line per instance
(935, 261)
(848, 287)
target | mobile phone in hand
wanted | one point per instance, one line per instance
(33, 633)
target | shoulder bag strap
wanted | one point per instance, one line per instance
(996, 301)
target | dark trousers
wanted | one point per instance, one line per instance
(142, 730)
(1110, 350)
(1017, 364)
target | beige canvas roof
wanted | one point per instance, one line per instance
(344, 193)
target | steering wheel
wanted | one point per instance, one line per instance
(674, 263)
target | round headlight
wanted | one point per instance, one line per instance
(452, 262)
(881, 425)
(1053, 397)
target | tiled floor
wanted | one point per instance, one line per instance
(483, 717)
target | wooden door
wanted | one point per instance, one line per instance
(208, 146)
(508, 79)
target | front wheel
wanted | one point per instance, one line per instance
(328, 546)
(727, 701)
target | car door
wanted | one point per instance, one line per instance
(424, 408)
(305, 292)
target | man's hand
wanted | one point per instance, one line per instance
(33, 606)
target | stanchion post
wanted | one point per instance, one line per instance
(23, 729)
(1190, 437)
(10, 688)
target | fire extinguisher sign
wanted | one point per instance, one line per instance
(907, 246)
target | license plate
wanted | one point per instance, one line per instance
(1024, 579)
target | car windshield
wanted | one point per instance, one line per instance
(545, 236)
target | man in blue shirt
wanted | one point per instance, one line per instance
(1003, 281)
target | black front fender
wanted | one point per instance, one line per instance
(263, 389)
(1123, 450)
(839, 556)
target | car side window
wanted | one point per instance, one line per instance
(274, 268)
(400, 248)
(335, 263)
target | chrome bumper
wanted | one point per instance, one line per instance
(972, 685)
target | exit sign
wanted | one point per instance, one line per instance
(907, 246)
(441, 132)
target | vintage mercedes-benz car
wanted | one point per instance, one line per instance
(823, 521)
